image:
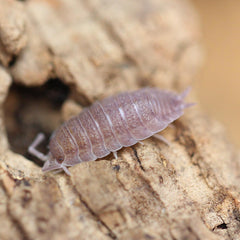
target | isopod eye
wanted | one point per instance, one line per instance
(60, 159)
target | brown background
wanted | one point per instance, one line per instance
(218, 82)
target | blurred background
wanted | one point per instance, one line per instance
(218, 82)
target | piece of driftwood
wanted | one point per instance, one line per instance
(188, 190)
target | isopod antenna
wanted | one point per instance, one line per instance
(32, 148)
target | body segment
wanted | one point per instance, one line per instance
(115, 122)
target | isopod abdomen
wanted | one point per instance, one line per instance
(108, 125)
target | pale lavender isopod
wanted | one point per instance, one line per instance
(108, 125)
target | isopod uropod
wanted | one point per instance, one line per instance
(108, 125)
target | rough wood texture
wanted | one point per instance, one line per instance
(189, 190)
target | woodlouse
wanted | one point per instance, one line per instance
(108, 125)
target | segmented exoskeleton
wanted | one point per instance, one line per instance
(108, 125)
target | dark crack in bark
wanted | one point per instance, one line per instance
(15, 221)
(138, 159)
(95, 216)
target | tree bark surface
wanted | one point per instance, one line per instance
(188, 190)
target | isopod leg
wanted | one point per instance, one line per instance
(58, 171)
(115, 155)
(32, 148)
(66, 170)
(171, 125)
(161, 138)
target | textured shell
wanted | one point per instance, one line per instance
(115, 122)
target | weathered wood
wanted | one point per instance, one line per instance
(188, 190)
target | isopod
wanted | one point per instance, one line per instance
(108, 125)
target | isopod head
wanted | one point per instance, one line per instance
(57, 159)
(51, 163)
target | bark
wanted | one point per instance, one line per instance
(188, 190)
